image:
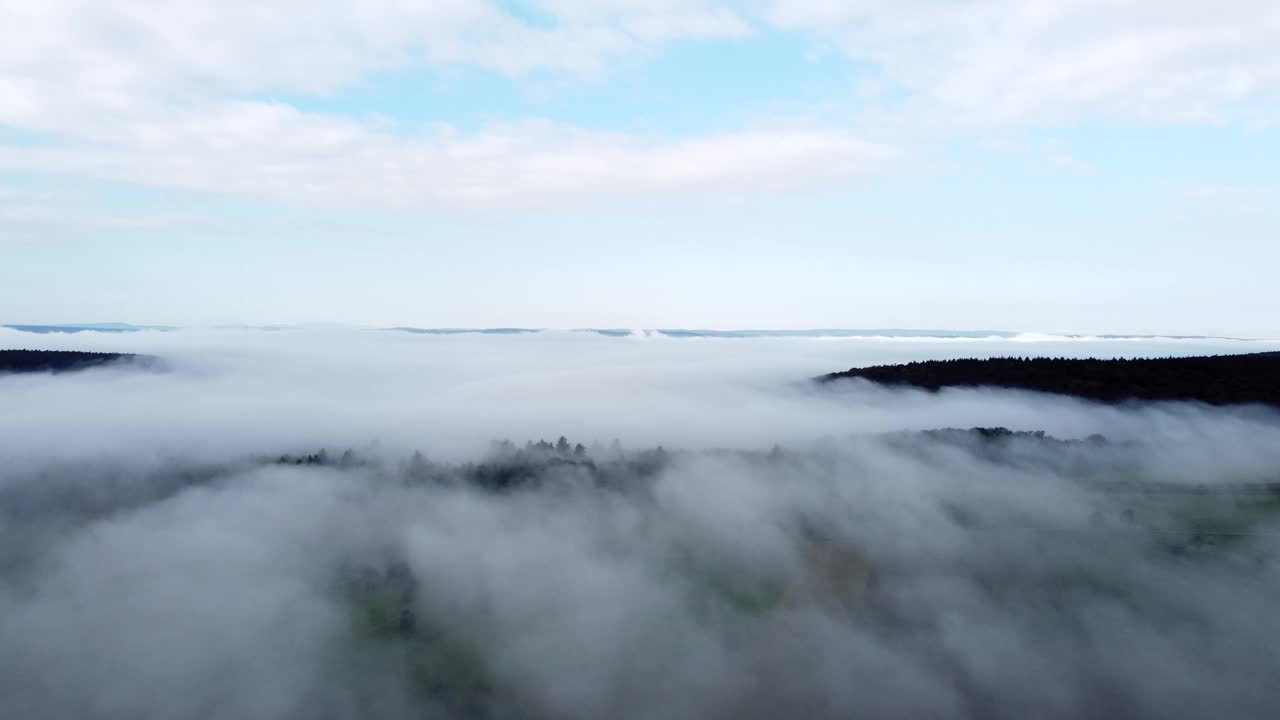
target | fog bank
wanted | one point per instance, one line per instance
(792, 550)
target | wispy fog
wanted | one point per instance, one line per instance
(173, 545)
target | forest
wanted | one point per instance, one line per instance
(29, 361)
(1215, 380)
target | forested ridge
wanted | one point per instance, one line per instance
(17, 361)
(1216, 380)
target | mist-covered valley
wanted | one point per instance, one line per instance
(355, 523)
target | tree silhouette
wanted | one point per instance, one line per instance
(1216, 380)
(24, 361)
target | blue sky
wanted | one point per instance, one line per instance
(1080, 165)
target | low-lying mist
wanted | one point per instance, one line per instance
(352, 524)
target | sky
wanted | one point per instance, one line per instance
(1038, 165)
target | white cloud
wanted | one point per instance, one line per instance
(136, 46)
(1060, 61)
(30, 214)
(274, 151)
(154, 94)
(652, 19)
(163, 94)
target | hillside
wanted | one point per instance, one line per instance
(1216, 380)
(24, 361)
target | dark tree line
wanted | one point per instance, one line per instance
(509, 467)
(1216, 380)
(27, 361)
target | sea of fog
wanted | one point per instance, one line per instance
(259, 391)
(794, 550)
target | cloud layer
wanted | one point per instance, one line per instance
(1053, 63)
(181, 96)
(152, 568)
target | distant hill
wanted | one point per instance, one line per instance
(465, 331)
(18, 361)
(110, 327)
(1216, 380)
